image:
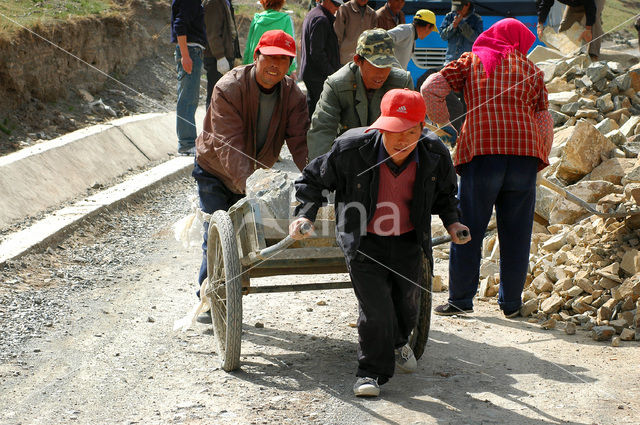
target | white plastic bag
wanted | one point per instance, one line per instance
(188, 229)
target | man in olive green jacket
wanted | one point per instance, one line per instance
(351, 96)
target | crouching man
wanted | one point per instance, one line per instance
(254, 110)
(388, 180)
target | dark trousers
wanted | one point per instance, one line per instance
(457, 110)
(314, 90)
(211, 67)
(385, 275)
(509, 183)
(214, 196)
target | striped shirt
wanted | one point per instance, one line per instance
(507, 113)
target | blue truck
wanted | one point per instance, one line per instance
(429, 53)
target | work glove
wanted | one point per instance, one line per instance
(451, 136)
(222, 65)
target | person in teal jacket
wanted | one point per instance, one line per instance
(271, 19)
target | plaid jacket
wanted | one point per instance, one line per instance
(507, 113)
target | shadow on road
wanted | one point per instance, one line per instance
(458, 380)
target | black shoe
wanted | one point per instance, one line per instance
(204, 318)
(510, 314)
(594, 58)
(450, 310)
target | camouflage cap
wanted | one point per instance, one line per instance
(376, 46)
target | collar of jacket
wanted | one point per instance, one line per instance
(387, 10)
(330, 16)
(355, 8)
(361, 102)
(428, 159)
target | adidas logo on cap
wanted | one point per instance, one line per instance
(402, 109)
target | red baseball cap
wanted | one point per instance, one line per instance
(276, 42)
(400, 110)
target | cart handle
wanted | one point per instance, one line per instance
(266, 253)
(584, 204)
(439, 240)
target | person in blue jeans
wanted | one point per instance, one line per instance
(188, 32)
(459, 29)
(254, 110)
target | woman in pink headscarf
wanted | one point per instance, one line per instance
(504, 141)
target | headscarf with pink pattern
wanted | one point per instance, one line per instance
(502, 38)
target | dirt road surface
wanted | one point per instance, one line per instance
(86, 337)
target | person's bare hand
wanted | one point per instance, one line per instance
(457, 20)
(586, 36)
(459, 233)
(295, 228)
(187, 64)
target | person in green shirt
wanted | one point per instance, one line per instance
(271, 19)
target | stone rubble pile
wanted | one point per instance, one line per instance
(584, 269)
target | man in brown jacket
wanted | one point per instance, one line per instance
(390, 14)
(254, 109)
(352, 19)
(222, 41)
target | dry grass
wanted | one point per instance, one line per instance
(617, 12)
(31, 12)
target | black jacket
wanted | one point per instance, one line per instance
(544, 6)
(187, 18)
(320, 56)
(350, 170)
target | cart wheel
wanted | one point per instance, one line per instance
(420, 334)
(225, 289)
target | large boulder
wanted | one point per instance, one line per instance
(633, 175)
(628, 127)
(597, 71)
(545, 200)
(613, 170)
(616, 137)
(560, 139)
(605, 103)
(607, 125)
(558, 118)
(541, 53)
(567, 212)
(583, 152)
(559, 84)
(272, 189)
(634, 75)
(568, 42)
(563, 97)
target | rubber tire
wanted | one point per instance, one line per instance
(228, 305)
(420, 334)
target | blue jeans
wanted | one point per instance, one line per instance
(188, 97)
(509, 183)
(214, 196)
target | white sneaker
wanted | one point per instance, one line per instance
(366, 387)
(405, 360)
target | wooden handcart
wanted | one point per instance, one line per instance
(242, 244)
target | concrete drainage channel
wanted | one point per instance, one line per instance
(52, 173)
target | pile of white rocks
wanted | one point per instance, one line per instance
(586, 274)
(584, 269)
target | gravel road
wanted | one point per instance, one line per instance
(86, 337)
